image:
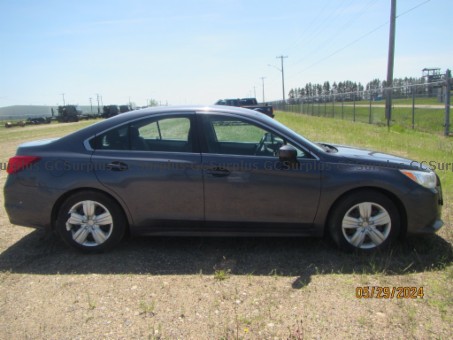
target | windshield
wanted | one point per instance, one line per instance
(293, 134)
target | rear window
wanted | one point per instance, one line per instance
(170, 134)
(115, 139)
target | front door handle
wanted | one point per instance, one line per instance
(117, 166)
(218, 172)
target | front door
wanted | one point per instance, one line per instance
(245, 182)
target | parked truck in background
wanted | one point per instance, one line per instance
(109, 111)
(248, 103)
(125, 108)
(113, 110)
(68, 113)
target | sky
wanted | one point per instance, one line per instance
(198, 51)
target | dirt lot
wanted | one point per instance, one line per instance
(212, 288)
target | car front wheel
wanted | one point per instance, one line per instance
(90, 222)
(364, 221)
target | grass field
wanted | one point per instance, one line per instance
(428, 117)
(408, 143)
(217, 288)
(418, 101)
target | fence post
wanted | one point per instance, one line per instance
(333, 106)
(342, 108)
(413, 107)
(369, 114)
(447, 102)
(353, 111)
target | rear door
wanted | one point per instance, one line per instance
(153, 165)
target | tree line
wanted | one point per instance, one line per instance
(402, 87)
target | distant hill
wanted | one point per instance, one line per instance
(25, 111)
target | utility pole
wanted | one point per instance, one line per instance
(283, 76)
(447, 102)
(391, 58)
(262, 81)
(97, 97)
(91, 105)
(64, 104)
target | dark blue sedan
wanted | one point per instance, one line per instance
(216, 171)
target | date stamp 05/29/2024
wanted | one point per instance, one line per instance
(382, 292)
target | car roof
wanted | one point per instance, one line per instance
(136, 114)
(149, 112)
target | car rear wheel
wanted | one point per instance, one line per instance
(364, 221)
(91, 222)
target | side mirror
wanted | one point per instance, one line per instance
(288, 154)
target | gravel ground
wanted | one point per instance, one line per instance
(189, 288)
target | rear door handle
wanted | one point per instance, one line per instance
(218, 172)
(117, 166)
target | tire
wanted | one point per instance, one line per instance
(364, 221)
(91, 222)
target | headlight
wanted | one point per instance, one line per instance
(426, 179)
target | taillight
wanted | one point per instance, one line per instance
(19, 163)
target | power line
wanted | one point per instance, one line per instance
(343, 48)
(326, 42)
(309, 25)
(328, 21)
(411, 9)
(358, 39)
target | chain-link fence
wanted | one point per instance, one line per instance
(423, 107)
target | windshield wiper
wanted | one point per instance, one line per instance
(328, 148)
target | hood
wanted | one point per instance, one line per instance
(353, 155)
